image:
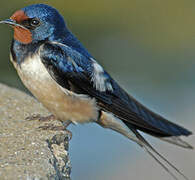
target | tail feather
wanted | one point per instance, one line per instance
(177, 141)
(108, 120)
(153, 152)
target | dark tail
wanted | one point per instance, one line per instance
(156, 155)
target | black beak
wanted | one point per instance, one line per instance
(12, 23)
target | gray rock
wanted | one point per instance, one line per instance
(26, 151)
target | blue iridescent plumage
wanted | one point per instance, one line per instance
(62, 50)
(78, 69)
(55, 31)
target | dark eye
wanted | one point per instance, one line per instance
(34, 22)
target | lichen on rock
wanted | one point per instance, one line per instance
(26, 151)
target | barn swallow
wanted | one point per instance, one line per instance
(74, 87)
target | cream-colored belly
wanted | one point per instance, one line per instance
(64, 104)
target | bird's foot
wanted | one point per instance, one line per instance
(40, 118)
(52, 127)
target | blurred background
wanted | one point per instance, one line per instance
(147, 46)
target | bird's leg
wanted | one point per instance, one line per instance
(40, 118)
(58, 128)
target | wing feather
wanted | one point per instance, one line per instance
(88, 77)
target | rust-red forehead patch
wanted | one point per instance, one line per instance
(19, 16)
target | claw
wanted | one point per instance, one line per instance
(56, 128)
(40, 118)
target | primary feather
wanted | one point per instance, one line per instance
(79, 71)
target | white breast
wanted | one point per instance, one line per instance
(64, 104)
(33, 70)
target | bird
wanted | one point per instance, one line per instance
(60, 72)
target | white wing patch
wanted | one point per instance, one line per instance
(99, 79)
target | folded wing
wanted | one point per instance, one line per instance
(85, 76)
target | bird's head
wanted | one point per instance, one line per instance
(37, 22)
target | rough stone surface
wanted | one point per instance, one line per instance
(26, 152)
